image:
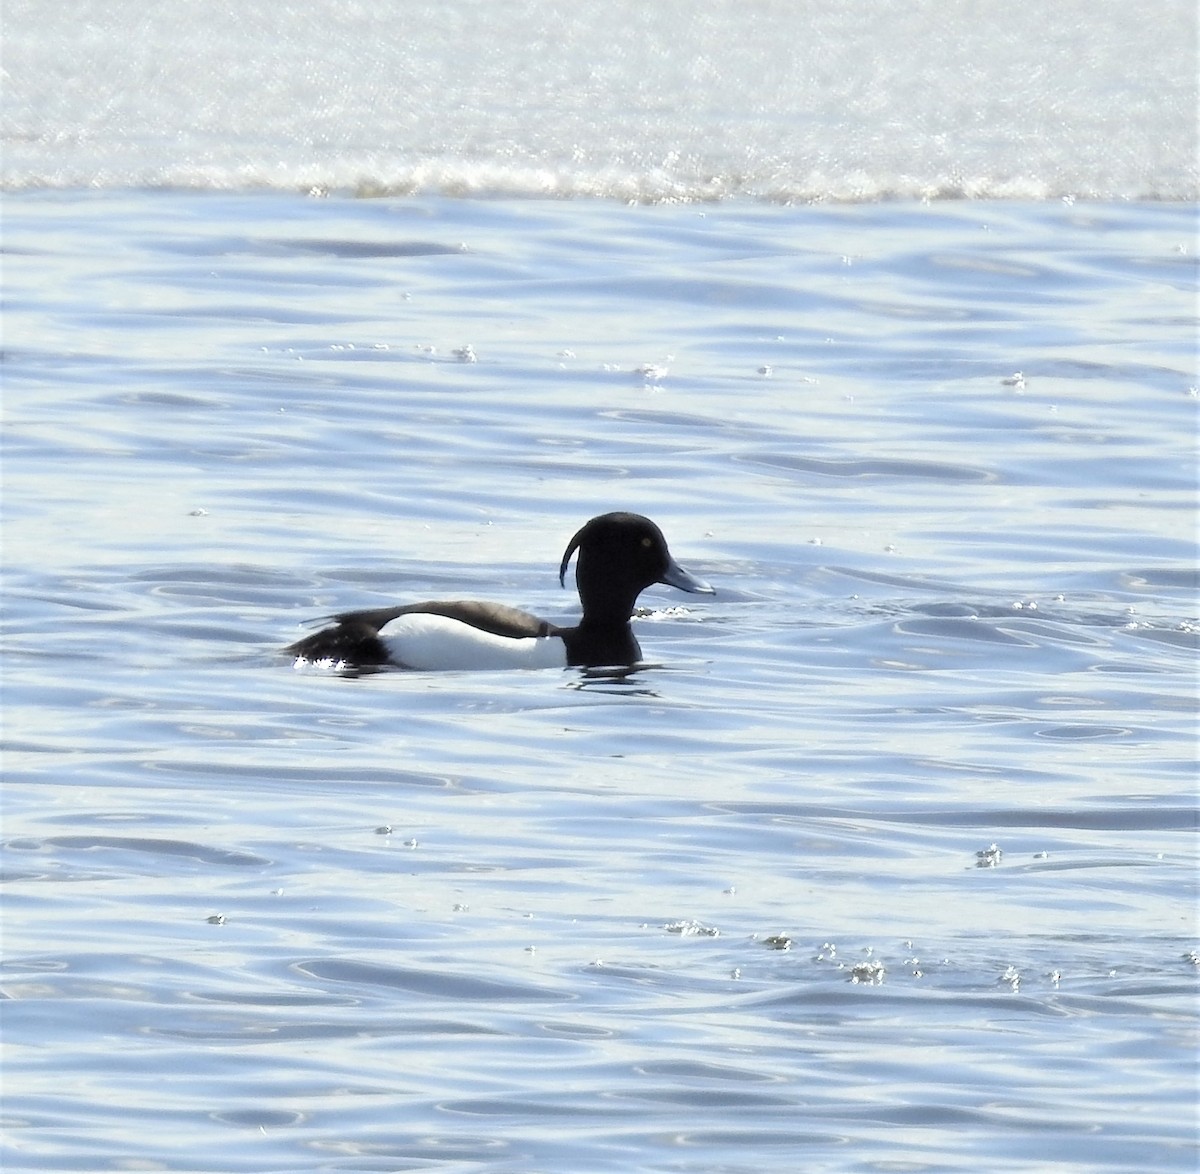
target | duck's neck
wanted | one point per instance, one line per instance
(608, 601)
(606, 606)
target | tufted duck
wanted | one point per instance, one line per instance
(620, 554)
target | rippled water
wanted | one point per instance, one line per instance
(887, 862)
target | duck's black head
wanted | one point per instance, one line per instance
(620, 555)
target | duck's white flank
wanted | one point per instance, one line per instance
(421, 640)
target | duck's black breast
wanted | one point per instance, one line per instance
(596, 646)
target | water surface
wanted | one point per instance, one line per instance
(888, 857)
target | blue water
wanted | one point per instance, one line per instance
(887, 861)
(934, 734)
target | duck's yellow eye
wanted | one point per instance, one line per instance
(647, 542)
